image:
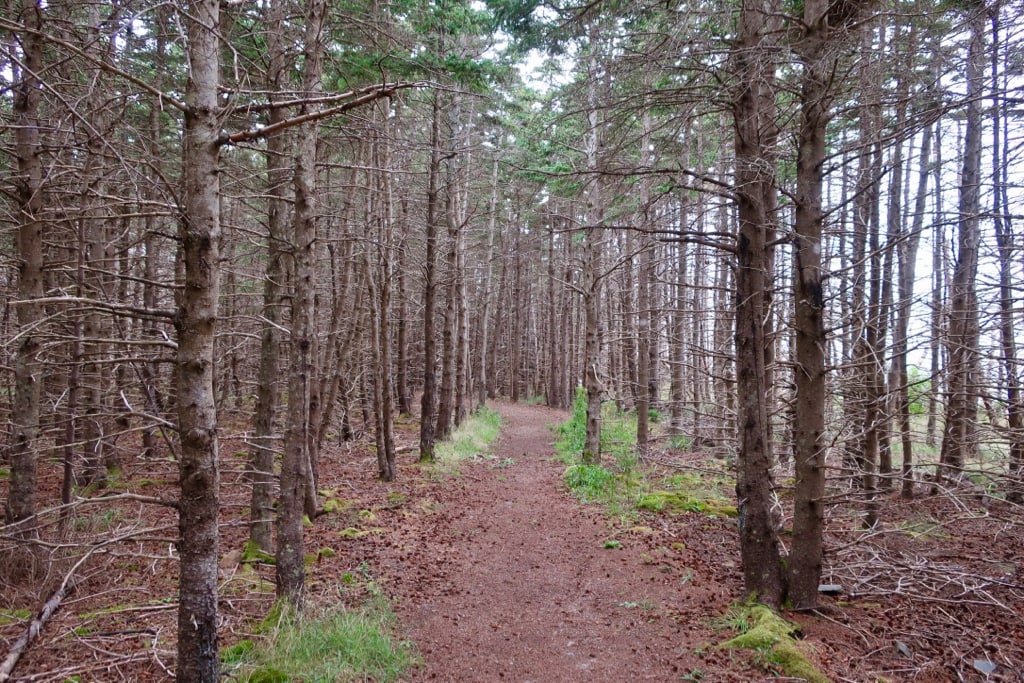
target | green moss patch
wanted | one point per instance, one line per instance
(771, 636)
(14, 616)
(253, 554)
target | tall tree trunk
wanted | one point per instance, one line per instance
(645, 280)
(961, 405)
(297, 485)
(754, 111)
(818, 54)
(1005, 243)
(483, 376)
(592, 241)
(938, 296)
(21, 499)
(378, 276)
(428, 401)
(907, 262)
(262, 452)
(196, 330)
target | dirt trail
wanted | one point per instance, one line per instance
(527, 590)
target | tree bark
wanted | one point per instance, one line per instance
(196, 330)
(961, 405)
(1005, 241)
(753, 113)
(428, 400)
(297, 484)
(21, 499)
(262, 451)
(908, 259)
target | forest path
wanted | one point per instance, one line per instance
(529, 593)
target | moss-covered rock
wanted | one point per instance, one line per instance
(772, 636)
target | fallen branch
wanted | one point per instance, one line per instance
(35, 626)
(30, 635)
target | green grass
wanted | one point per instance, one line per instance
(618, 433)
(619, 484)
(471, 441)
(336, 646)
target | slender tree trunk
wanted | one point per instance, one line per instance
(908, 259)
(428, 400)
(402, 336)
(592, 241)
(483, 377)
(196, 328)
(644, 282)
(1005, 242)
(816, 50)
(938, 296)
(262, 451)
(961, 405)
(753, 112)
(296, 464)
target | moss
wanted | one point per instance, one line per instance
(313, 558)
(772, 636)
(252, 553)
(352, 532)
(332, 504)
(146, 483)
(674, 502)
(14, 616)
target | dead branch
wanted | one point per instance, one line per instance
(36, 625)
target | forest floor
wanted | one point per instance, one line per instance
(496, 573)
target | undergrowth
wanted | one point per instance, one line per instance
(619, 483)
(773, 639)
(338, 645)
(471, 440)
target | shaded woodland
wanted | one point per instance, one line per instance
(781, 233)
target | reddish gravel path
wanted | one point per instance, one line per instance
(528, 592)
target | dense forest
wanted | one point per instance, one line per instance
(782, 232)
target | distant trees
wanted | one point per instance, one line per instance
(715, 220)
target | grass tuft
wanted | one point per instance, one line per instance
(340, 645)
(471, 441)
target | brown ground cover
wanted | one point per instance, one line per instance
(497, 573)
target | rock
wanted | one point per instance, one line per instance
(984, 666)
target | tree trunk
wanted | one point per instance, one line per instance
(196, 322)
(818, 56)
(297, 483)
(21, 500)
(592, 241)
(262, 451)
(428, 400)
(1005, 241)
(645, 280)
(961, 406)
(753, 112)
(908, 259)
